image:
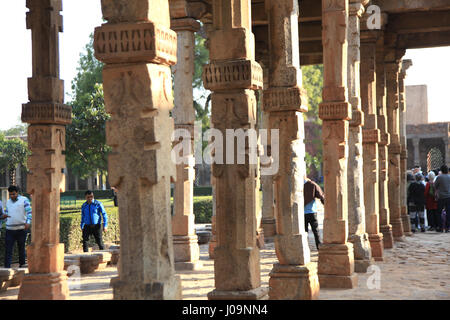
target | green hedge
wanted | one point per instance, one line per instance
(71, 234)
(203, 209)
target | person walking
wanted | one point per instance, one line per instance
(18, 222)
(311, 192)
(442, 184)
(416, 202)
(433, 217)
(92, 213)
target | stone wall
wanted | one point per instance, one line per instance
(416, 104)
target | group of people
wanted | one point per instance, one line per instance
(17, 215)
(430, 193)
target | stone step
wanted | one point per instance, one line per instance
(104, 257)
(89, 262)
(6, 276)
(19, 273)
(71, 260)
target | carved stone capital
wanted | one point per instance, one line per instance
(385, 139)
(135, 42)
(46, 113)
(371, 136)
(188, 24)
(335, 111)
(357, 118)
(284, 99)
(232, 74)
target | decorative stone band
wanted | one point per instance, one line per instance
(234, 74)
(284, 99)
(46, 113)
(135, 42)
(357, 118)
(371, 136)
(385, 139)
(395, 148)
(335, 111)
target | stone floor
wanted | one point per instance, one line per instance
(415, 269)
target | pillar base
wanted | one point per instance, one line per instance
(397, 229)
(188, 266)
(155, 290)
(269, 227)
(44, 286)
(361, 266)
(336, 266)
(186, 252)
(254, 294)
(406, 222)
(361, 246)
(291, 282)
(376, 243)
(388, 237)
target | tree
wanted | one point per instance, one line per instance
(18, 130)
(86, 149)
(13, 152)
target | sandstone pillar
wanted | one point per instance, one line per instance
(356, 210)
(416, 144)
(404, 152)
(336, 258)
(371, 139)
(232, 75)
(47, 116)
(213, 242)
(185, 241)
(392, 70)
(138, 48)
(294, 276)
(384, 219)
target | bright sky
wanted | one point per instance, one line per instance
(430, 66)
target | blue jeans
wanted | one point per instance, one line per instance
(10, 239)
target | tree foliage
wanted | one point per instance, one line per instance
(313, 83)
(86, 149)
(19, 130)
(12, 153)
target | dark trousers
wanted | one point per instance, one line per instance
(311, 218)
(445, 204)
(10, 239)
(434, 219)
(96, 231)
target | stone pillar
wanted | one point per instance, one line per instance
(406, 221)
(392, 70)
(416, 144)
(232, 75)
(294, 276)
(213, 242)
(47, 116)
(371, 139)
(336, 258)
(185, 241)
(385, 225)
(356, 211)
(138, 47)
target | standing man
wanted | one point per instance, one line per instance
(18, 221)
(442, 184)
(92, 212)
(311, 191)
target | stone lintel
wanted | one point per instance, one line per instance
(184, 24)
(225, 75)
(46, 113)
(357, 118)
(135, 42)
(371, 136)
(284, 99)
(335, 111)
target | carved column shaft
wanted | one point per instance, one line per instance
(392, 70)
(336, 260)
(283, 103)
(232, 75)
(404, 152)
(356, 210)
(186, 249)
(47, 116)
(138, 48)
(371, 139)
(385, 225)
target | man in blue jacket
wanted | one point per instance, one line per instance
(92, 212)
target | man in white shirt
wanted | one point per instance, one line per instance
(18, 220)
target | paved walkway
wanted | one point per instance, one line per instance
(415, 269)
